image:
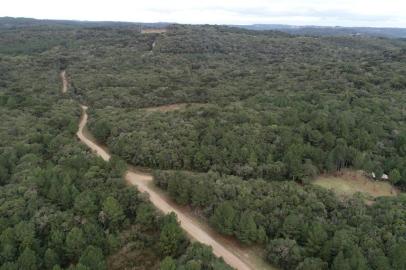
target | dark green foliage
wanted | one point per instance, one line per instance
(224, 218)
(172, 240)
(93, 258)
(168, 264)
(270, 106)
(303, 227)
(60, 206)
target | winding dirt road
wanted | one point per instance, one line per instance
(233, 255)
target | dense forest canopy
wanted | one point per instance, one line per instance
(262, 114)
(61, 207)
(276, 106)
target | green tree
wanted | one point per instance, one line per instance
(85, 203)
(51, 258)
(340, 262)
(113, 212)
(398, 256)
(224, 217)
(394, 176)
(101, 130)
(247, 228)
(172, 240)
(27, 260)
(93, 258)
(168, 264)
(357, 260)
(193, 265)
(145, 214)
(312, 264)
(284, 252)
(75, 242)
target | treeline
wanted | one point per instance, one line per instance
(302, 227)
(60, 206)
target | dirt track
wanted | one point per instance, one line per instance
(232, 254)
(64, 82)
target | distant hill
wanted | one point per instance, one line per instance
(13, 23)
(329, 30)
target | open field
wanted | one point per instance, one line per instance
(350, 182)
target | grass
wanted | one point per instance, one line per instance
(172, 107)
(346, 183)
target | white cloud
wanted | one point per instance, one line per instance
(317, 12)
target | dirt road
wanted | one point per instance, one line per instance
(64, 81)
(232, 254)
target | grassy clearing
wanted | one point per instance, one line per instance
(153, 31)
(172, 107)
(349, 182)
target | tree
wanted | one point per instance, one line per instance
(145, 214)
(247, 228)
(172, 240)
(27, 260)
(394, 176)
(93, 258)
(193, 265)
(168, 264)
(357, 260)
(85, 203)
(340, 262)
(9, 266)
(113, 211)
(312, 264)
(51, 258)
(398, 256)
(101, 130)
(284, 252)
(316, 237)
(75, 242)
(224, 217)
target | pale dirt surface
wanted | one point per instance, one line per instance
(235, 256)
(88, 141)
(153, 31)
(64, 81)
(349, 182)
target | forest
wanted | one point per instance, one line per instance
(261, 106)
(60, 206)
(263, 113)
(300, 227)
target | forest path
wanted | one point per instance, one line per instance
(236, 256)
(64, 81)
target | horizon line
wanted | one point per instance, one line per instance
(215, 24)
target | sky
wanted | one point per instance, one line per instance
(372, 13)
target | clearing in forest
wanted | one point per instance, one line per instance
(153, 31)
(171, 107)
(350, 182)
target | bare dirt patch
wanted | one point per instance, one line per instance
(154, 31)
(64, 81)
(171, 107)
(350, 182)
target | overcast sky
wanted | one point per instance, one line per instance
(379, 13)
